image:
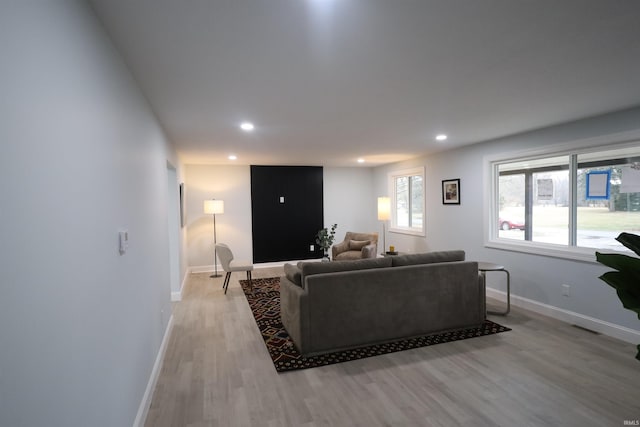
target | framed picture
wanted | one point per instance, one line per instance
(451, 192)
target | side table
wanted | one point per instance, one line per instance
(483, 267)
(386, 254)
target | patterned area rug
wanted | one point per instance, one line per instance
(265, 305)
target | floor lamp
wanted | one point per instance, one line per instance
(214, 207)
(384, 213)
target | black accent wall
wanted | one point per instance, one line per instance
(284, 231)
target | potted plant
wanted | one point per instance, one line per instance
(325, 238)
(626, 279)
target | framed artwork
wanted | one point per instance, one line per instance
(451, 191)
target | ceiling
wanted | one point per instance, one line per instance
(329, 81)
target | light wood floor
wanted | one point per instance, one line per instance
(217, 372)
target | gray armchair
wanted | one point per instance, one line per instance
(356, 246)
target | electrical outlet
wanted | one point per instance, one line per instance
(311, 248)
(565, 290)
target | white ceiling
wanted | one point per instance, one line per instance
(330, 81)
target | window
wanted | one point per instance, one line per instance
(407, 201)
(578, 201)
(534, 199)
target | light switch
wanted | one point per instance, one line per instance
(123, 237)
(281, 199)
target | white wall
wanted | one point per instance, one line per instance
(349, 201)
(535, 279)
(81, 157)
(232, 184)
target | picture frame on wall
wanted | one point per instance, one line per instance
(451, 191)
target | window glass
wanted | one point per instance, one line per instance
(550, 216)
(511, 206)
(402, 201)
(417, 201)
(608, 197)
(542, 200)
(408, 201)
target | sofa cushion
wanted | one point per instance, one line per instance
(428, 257)
(357, 245)
(309, 268)
(293, 273)
(349, 255)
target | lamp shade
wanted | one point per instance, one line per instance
(214, 207)
(384, 208)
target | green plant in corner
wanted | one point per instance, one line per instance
(626, 280)
(325, 238)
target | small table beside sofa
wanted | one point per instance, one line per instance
(338, 305)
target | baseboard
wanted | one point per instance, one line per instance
(177, 296)
(611, 329)
(282, 263)
(204, 269)
(210, 268)
(143, 409)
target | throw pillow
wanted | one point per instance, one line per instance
(357, 245)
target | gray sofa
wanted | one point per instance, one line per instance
(338, 305)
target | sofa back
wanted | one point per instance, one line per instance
(357, 307)
(312, 268)
(297, 274)
(428, 257)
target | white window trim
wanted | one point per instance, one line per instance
(392, 191)
(490, 208)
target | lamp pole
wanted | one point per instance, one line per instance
(215, 250)
(214, 207)
(384, 213)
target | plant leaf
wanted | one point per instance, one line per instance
(620, 262)
(629, 301)
(630, 241)
(628, 291)
(621, 280)
(626, 280)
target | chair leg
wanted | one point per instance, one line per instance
(249, 279)
(226, 282)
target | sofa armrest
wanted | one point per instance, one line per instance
(339, 248)
(369, 251)
(293, 311)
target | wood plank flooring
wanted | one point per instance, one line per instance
(217, 372)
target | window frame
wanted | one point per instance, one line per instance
(492, 202)
(392, 176)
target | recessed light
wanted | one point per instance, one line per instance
(441, 137)
(232, 157)
(360, 160)
(247, 126)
